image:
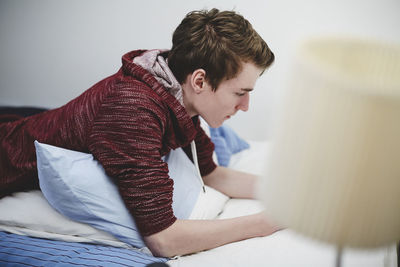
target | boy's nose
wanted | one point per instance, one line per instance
(244, 103)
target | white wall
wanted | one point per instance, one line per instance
(52, 50)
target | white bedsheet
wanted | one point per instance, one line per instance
(29, 213)
(282, 249)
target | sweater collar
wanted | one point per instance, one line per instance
(157, 65)
(129, 67)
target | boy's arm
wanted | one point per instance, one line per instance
(190, 236)
(231, 182)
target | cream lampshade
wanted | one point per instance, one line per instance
(334, 170)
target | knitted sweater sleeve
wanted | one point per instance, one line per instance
(126, 138)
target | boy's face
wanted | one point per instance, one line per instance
(231, 95)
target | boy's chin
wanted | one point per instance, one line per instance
(216, 124)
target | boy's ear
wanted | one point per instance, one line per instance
(198, 80)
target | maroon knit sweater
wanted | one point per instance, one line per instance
(128, 121)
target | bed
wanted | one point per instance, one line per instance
(32, 233)
(284, 248)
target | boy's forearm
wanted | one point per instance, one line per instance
(189, 236)
(232, 183)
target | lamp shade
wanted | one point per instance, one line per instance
(334, 169)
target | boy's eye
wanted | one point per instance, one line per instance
(240, 94)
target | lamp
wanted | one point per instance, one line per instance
(334, 169)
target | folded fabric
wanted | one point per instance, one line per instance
(29, 213)
(209, 204)
(226, 143)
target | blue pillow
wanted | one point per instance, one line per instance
(226, 143)
(76, 185)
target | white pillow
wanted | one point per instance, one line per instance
(29, 213)
(76, 185)
(187, 185)
(189, 199)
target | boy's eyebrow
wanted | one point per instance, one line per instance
(247, 89)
